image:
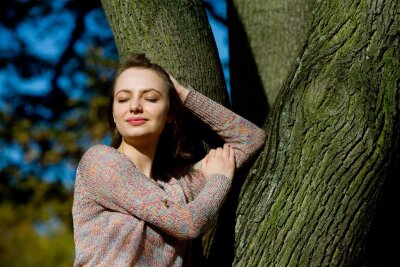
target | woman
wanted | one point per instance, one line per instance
(132, 205)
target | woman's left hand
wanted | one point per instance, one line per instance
(220, 160)
(181, 90)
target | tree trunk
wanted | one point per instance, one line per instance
(174, 34)
(312, 193)
(264, 38)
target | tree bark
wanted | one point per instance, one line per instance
(311, 195)
(264, 38)
(174, 34)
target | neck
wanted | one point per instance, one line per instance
(141, 155)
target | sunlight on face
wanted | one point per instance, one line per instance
(141, 105)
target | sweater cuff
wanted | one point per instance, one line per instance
(221, 183)
(189, 96)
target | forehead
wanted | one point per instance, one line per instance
(139, 79)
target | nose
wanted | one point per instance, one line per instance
(136, 106)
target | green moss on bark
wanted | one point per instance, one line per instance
(312, 196)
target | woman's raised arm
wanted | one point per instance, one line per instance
(240, 134)
(244, 136)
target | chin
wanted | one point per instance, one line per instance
(141, 137)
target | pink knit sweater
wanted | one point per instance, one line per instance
(123, 218)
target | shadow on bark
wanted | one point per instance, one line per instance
(247, 93)
(201, 138)
(382, 243)
(222, 248)
(250, 101)
(220, 241)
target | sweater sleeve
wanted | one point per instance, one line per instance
(115, 183)
(244, 136)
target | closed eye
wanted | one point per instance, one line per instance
(153, 100)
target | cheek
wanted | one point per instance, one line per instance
(118, 111)
(118, 117)
(161, 114)
(114, 113)
(160, 111)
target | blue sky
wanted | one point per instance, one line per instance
(220, 33)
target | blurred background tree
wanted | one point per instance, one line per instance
(56, 59)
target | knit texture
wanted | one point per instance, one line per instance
(123, 218)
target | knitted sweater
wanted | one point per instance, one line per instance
(123, 218)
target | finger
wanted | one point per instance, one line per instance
(172, 78)
(232, 155)
(226, 151)
(218, 152)
(174, 81)
(211, 152)
(205, 160)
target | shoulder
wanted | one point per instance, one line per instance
(99, 155)
(97, 151)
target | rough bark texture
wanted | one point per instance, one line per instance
(175, 34)
(310, 197)
(264, 38)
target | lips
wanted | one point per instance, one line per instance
(136, 121)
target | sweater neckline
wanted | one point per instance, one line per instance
(125, 157)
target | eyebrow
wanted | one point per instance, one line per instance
(140, 90)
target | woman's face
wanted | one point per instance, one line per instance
(141, 105)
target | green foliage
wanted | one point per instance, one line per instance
(35, 221)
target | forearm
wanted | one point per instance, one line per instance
(201, 210)
(245, 137)
(182, 221)
(114, 185)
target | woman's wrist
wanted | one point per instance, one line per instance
(183, 92)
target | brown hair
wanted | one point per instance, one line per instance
(171, 149)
